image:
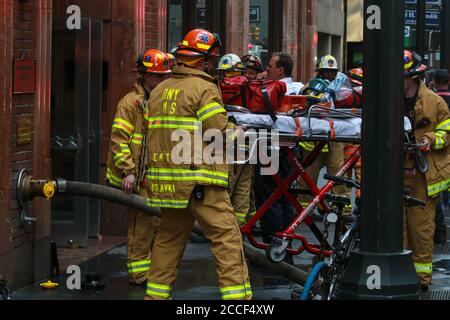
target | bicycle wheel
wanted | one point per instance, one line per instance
(316, 273)
(340, 264)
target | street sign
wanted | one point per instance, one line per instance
(254, 14)
(431, 18)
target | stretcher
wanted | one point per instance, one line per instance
(319, 125)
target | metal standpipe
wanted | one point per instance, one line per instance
(381, 269)
(29, 188)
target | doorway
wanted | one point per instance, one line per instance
(76, 108)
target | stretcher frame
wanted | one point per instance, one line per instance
(290, 143)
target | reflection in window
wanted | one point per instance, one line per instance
(175, 28)
(259, 29)
(201, 14)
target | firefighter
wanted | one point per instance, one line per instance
(125, 168)
(441, 84)
(356, 78)
(194, 188)
(253, 66)
(230, 66)
(241, 176)
(430, 118)
(327, 69)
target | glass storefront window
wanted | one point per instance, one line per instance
(201, 14)
(259, 29)
(175, 26)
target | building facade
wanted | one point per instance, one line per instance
(60, 86)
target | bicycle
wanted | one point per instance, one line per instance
(326, 276)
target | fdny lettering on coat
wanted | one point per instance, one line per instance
(169, 100)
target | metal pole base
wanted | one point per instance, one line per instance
(372, 276)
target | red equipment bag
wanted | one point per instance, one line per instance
(259, 96)
(349, 98)
(265, 96)
(233, 91)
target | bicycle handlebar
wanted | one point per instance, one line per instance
(409, 201)
(338, 199)
(341, 180)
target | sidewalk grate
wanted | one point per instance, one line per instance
(442, 249)
(440, 295)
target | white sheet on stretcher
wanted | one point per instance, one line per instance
(343, 127)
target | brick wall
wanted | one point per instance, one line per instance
(24, 46)
(155, 24)
(151, 28)
(24, 250)
(6, 19)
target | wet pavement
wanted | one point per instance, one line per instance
(197, 279)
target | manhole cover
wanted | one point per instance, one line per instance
(437, 295)
(442, 249)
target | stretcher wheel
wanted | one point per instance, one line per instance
(273, 252)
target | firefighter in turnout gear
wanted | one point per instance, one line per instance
(126, 163)
(430, 119)
(240, 176)
(332, 159)
(187, 186)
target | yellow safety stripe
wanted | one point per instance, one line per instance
(118, 159)
(437, 188)
(241, 217)
(203, 46)
(440, 140)
(444, 126)
(210, 110)
(113, 180)
(125, 148)
(137, 138)
(139, 266)
(426, 268)
(165, 203)
(236, 292)
(207, 176)
(123, 125)
(158, 290)
(309, 146)
(248, 290)
(173, 123)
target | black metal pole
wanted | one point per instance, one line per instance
(381, 269)
(420, 28)
(445, 35)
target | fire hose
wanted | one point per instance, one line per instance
(29, 188)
